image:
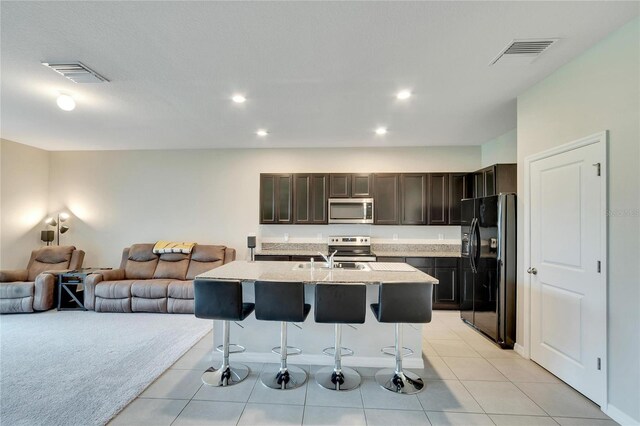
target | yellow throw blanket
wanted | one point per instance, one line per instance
(172, 247)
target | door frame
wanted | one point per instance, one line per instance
(602, 139)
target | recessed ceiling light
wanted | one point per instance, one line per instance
(403, 94)
(66, 102)
(239, 99)
(381, 131)
(262, 132)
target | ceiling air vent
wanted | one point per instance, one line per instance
(76, 72)
(527, 49)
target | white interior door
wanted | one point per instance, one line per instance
(568, 283)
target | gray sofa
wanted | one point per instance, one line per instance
(147, 282)
(31, 289)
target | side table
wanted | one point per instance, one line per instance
(72, 282)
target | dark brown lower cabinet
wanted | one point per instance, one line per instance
(278, 258)
(446, 295)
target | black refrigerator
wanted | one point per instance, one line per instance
(488, 267)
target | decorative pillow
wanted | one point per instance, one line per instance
(162, 247)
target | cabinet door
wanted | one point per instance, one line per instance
(413, 199)
(446, 292)
(302, 201)
(361, 185)
(284, 199)
(310, 199)
(339, 185)
(386, 199)
(458, 189)
(271, 257)
(319, 195)
(267, 198)
(489, 177)
(506, 178)
(438, 199)
(478, 185)
(390, 259)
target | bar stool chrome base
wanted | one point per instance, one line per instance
(225, 376)
(290, 377)
(404, 382)
(344, 380)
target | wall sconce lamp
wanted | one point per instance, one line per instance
(60, 228)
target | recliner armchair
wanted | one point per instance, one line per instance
(31, 289)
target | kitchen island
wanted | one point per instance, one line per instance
(366, 340)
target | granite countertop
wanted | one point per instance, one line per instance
(284, 271)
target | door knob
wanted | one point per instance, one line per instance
(533, 271)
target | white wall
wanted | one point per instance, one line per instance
(24, 177)
(600, 90)
(211, 196)
(503, 149)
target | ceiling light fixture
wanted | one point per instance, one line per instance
(381, 131)
(239, 99)
(262, 132)
(403, 94)
(66, 103)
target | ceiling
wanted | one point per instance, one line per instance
(315, 74)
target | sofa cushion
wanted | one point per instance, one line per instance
(205, 258)
(54, 254)
(16, 289)
(113, 305)
(150, 289)
(141, 262)
(180, 290)
(114, 289)
(180, 306)
(140, 304)
(172, 265)
(20, 304)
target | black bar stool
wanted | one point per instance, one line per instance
(284, 302)
(222, 300)
(402, 303)
(339, 304)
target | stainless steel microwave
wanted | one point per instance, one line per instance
(350, 210)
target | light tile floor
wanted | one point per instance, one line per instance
(469, 381)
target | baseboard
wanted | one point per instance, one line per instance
(519, 349)
(620, 417)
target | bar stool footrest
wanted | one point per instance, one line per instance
(291, 350)
(391, 351)
(331, 351)
(233, 348)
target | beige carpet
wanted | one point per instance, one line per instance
(81, 368)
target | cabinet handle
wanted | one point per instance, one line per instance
(532, 271)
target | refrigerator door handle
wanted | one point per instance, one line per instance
(472, 252)
(477, 244)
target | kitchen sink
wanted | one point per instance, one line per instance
(351, 266)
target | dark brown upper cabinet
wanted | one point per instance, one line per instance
(362, 185)
(459, 188)
(413, 199)
(496, 179)
(350, 185)
(276, 198)
(310, 193)
(438, 199)
(386, 199)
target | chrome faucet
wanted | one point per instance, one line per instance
(329, 259)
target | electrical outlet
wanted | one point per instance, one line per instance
(286, 237)
(395, 237)
(441, 236)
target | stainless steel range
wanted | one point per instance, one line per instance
(351, 249)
